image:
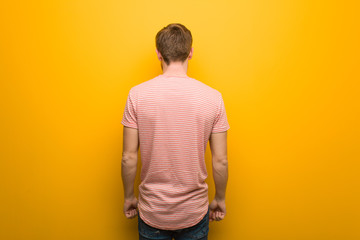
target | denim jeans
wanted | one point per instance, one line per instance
(199, 231)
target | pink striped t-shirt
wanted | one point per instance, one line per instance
(174, 117)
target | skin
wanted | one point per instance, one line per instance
(174, 68)
(218, 146)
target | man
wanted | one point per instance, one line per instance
(172, 117)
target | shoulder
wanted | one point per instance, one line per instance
(135, 90)
(206, 89)
(194, 84)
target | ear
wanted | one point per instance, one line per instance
(158, 55)
(191, 53)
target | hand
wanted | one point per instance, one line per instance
(217, 210)
(130, 206)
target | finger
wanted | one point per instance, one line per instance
(218, 217)
(129, 214)
(210, 217)
(213, 215)
(134, 213)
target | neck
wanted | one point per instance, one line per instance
(175, 68)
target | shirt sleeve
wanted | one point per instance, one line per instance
(130, 117)
(221, 123)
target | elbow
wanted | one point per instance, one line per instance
(220, 161)
(129, 159)
(224, 162)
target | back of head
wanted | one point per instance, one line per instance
(174, 42)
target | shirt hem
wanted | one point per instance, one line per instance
(178, 228)
(220, 130)
(129, 125)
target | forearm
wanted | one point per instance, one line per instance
(220, 175)
(128, 174)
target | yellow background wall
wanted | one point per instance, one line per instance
(289, 75)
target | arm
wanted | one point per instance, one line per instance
(128, 169)
(218, 145)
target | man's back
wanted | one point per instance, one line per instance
(175, 117)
